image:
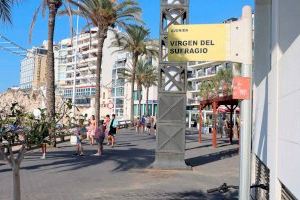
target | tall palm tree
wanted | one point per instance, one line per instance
(136, 42)
(5, 10)
(53, 6)
(223, 81)
(139, 76)
(150, 80)
(106, 14)
(206, 89)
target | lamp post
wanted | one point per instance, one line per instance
(75, 66)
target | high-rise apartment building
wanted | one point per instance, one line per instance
(121, 90)
(83, 66)
(32, 72)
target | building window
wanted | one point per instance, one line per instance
(136, 95)
(136, 110)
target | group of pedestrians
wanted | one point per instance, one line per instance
(96, 132)
(145, 124)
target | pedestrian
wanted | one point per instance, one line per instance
(106, 128)
(148, 124)
(78, 132)
(152, 124)
(99, 136)
(113, 129)
(225, 126)
(92, 129)
(45, 141)
(137, 125)
(143, 121)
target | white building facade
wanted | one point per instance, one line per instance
(121, 90)
(115, 92)
(276, 108)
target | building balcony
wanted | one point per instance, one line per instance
(201, 78)
(191, 101)
(199, 65)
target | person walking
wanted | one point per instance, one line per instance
(143, 121)
(137, 125)
(106, 128)
(148, 124)
(79, 131)
(113, 129)
(152, 124)
(92, 129)
(99, 136)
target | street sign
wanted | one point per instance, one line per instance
(241, 88)
(208, 42)
(197, 42)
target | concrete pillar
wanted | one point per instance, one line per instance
(172, 86)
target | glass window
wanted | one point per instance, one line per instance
(155, 110)
(136, 110)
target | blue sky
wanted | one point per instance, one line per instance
(201, 12)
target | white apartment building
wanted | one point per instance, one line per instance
(85, 69)
(115, 92)
(121, 90)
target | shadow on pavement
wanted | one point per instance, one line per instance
(161, 195)
(60, 161)
(212, 157)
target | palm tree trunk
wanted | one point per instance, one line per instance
(50, 78)
(140, 99)
(147, 97)
(134, 61)
(102, 34)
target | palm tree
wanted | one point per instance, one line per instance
(139, 76)
(5, 10)
(223, 81)
(106, 14)
(150, 80)
(136, 42)
(206, 89)
(53, 6)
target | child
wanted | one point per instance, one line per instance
(78, 132)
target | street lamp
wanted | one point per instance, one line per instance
(75, 66)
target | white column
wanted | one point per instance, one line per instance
(246, 109)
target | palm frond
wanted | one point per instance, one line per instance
(5, 10)
(33, 21)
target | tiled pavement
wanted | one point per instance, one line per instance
(124, 173)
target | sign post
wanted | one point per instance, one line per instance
(246, 108)
(223, 42)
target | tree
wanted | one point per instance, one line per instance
(219, 84)
(150, 80)
(53, 6)
(106, 14)
(206, 89)
(135, 41)
(223, 81)
(23, 130)
(5, 10)
(140, 75)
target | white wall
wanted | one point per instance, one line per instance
(276, 112)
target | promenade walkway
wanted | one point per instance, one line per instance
(123, 172)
